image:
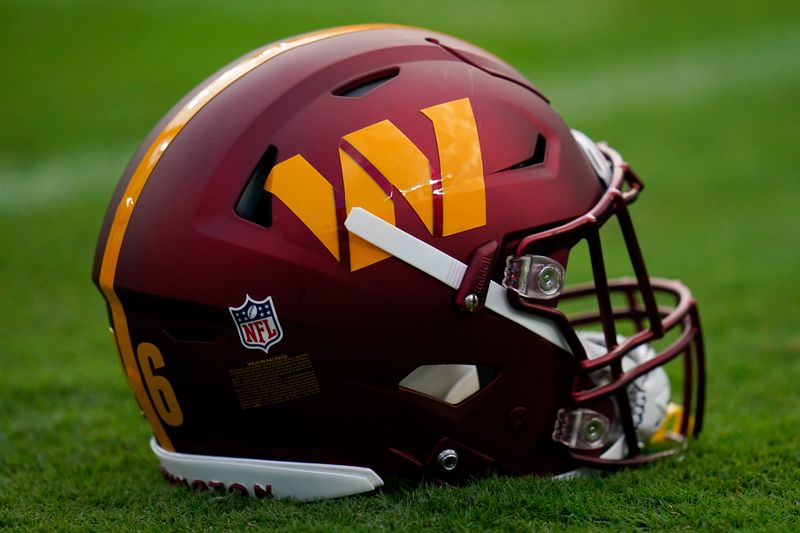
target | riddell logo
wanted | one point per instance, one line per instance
(483, 274)
(449, 197)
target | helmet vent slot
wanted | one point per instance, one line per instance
(536, 159)
(365, 84)
(255, 204)
(451, 384)
(191, 333)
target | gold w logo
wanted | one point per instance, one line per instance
(375, 161)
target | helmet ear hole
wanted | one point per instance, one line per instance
(449, 383)
(255, 204)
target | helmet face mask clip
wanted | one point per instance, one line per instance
(365, 242)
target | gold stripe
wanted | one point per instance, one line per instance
(460, 164)
(308, 195)
(138, 180)
(361, 191)
(399, 160)
(402, 164)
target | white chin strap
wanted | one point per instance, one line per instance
(446, 269)
(262, 478)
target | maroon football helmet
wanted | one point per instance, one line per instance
(345, 256)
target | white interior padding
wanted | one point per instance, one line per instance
(649, 394)
(449, 383)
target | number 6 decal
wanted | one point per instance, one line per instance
(158, 387)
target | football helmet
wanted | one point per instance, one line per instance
(355, 253)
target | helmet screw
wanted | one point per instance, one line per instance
(471, 302)
(549, 280)
(593, 431)
(448, 460)
(518, 418)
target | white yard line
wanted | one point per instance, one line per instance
(60, 179)
(684, 76)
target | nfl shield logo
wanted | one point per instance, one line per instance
(257, 322)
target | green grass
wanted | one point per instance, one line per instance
(704, 101)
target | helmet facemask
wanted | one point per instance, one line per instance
(620, 413)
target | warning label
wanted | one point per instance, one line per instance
(274, 380)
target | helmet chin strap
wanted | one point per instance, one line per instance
(446, 269)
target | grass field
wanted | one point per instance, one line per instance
(702, 98)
